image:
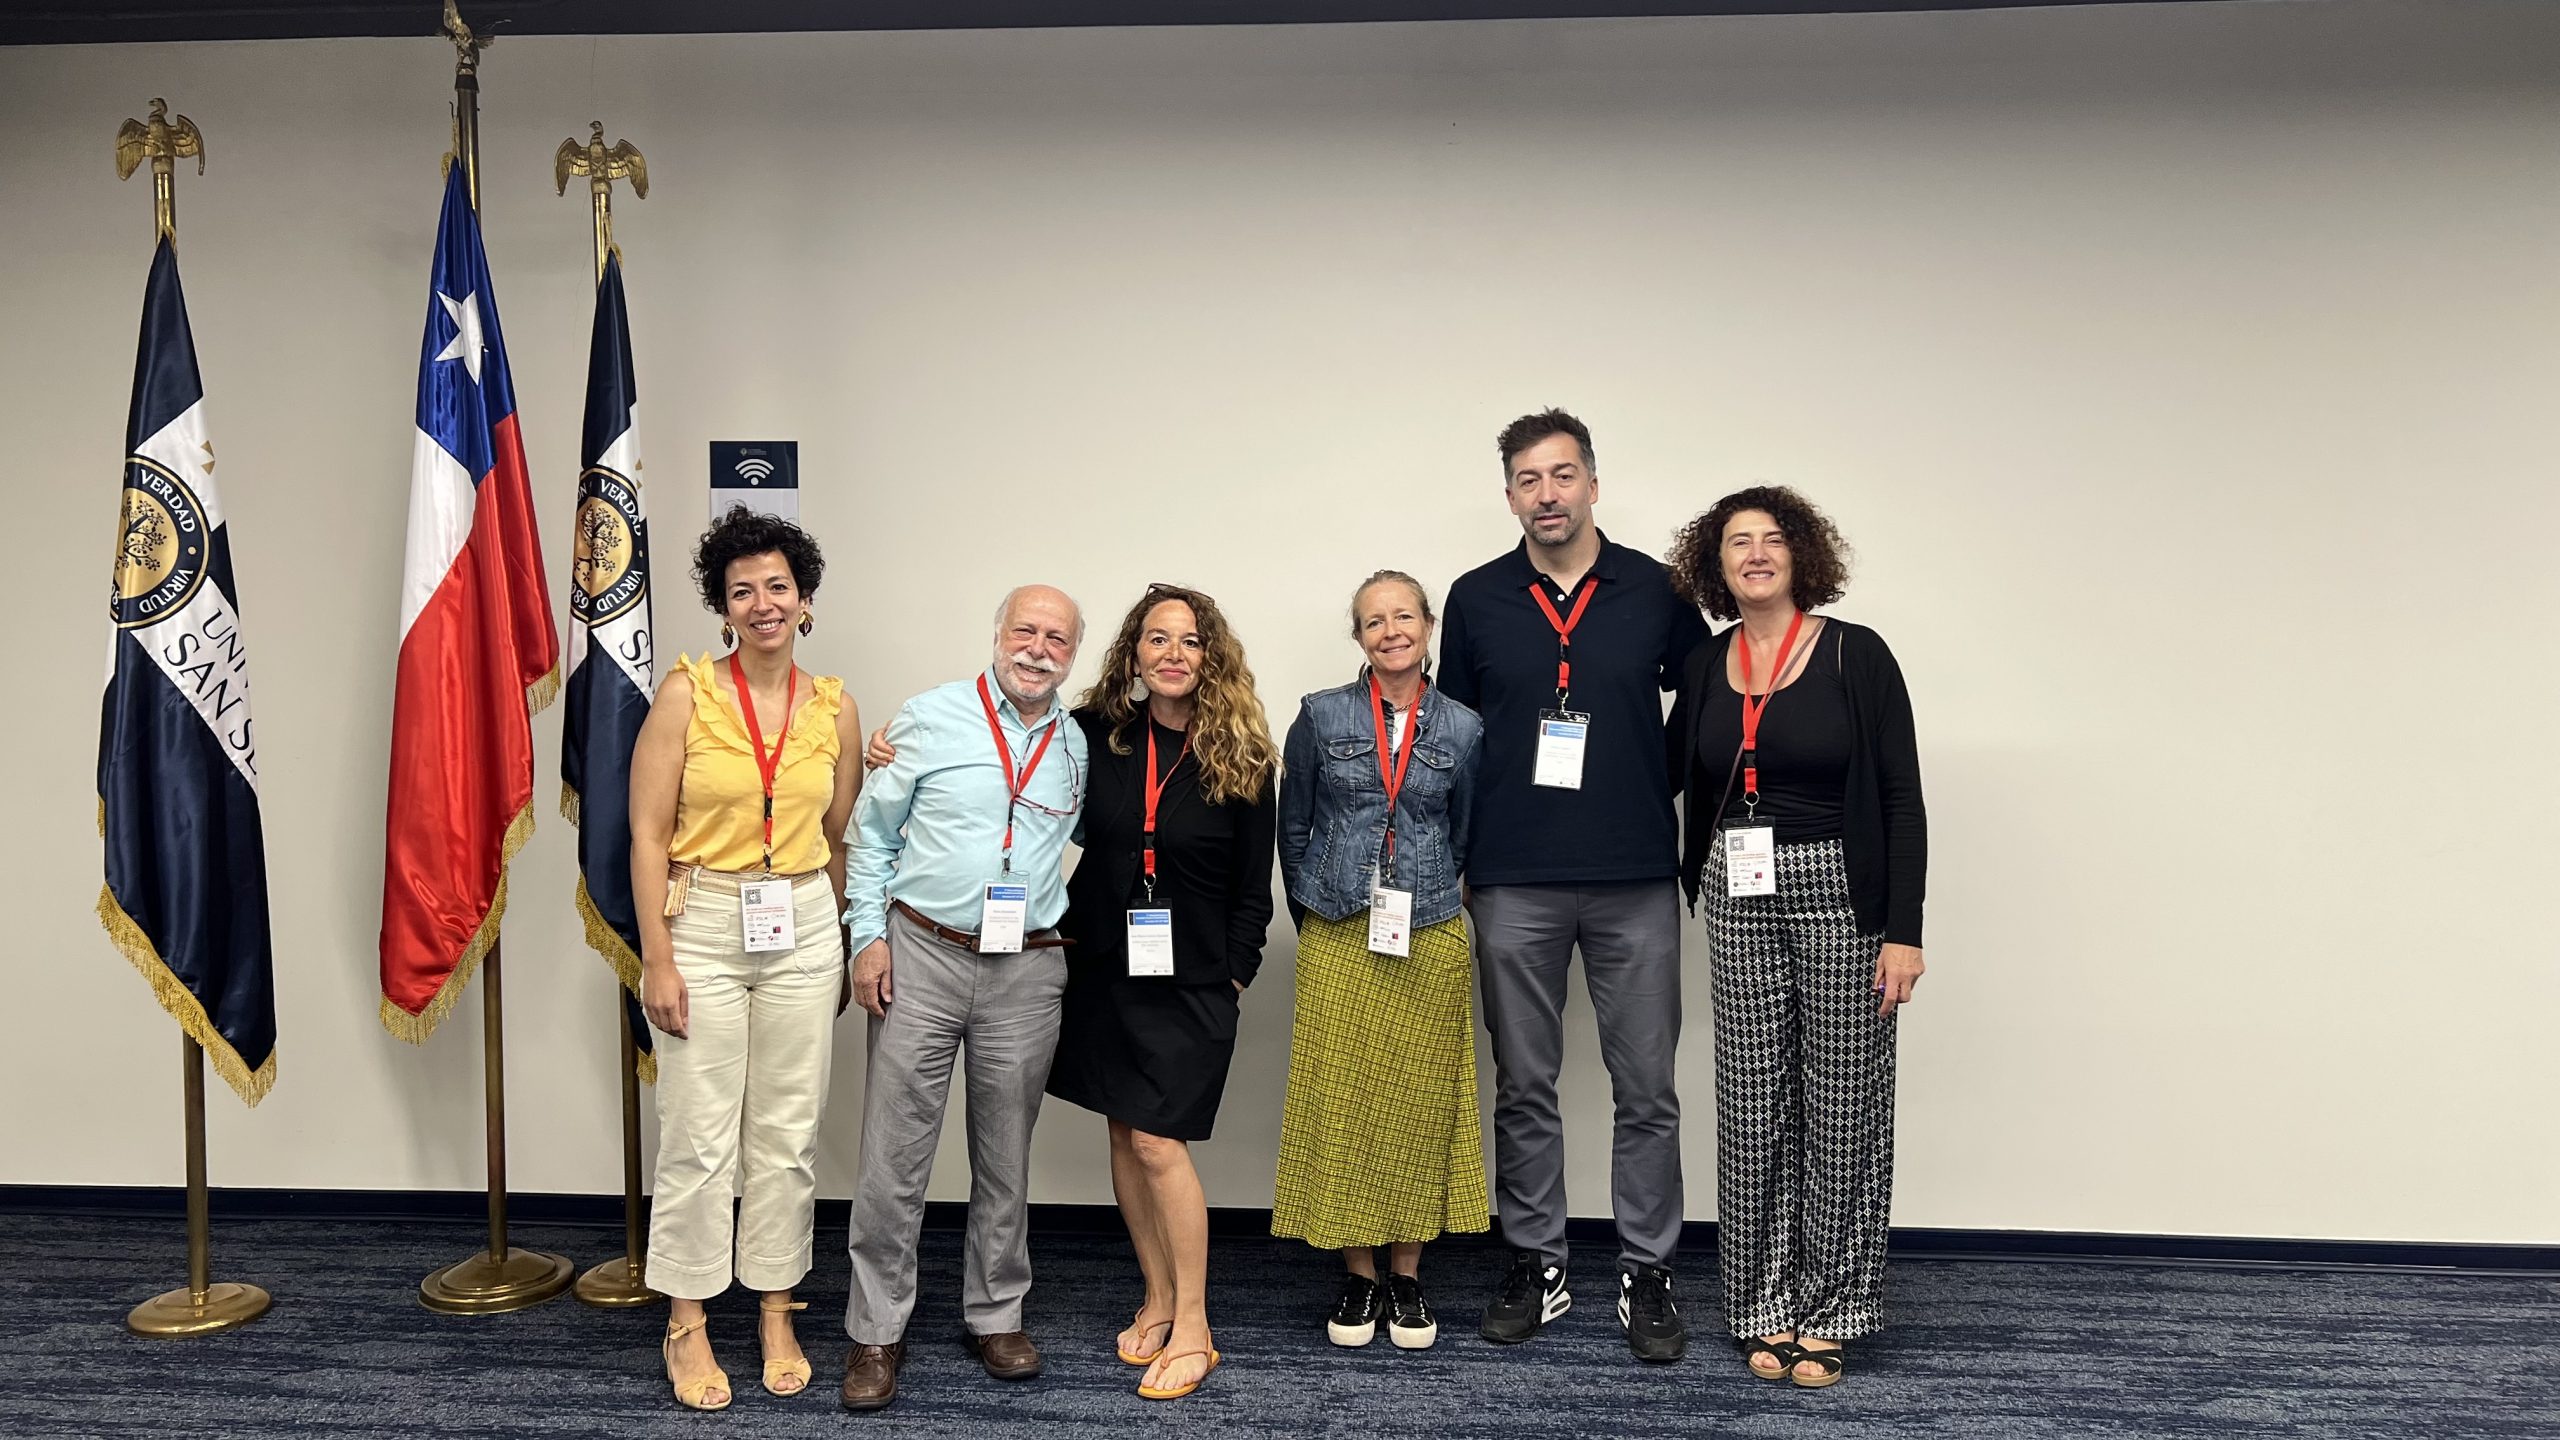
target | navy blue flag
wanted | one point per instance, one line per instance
(186, 886)
(610, 662)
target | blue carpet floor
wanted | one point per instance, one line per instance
(1976, 1349)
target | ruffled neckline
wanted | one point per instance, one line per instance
(813, 725)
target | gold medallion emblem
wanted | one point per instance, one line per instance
(609, 560)
(160, 546)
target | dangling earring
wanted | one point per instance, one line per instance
(808, 622)
(728, 636)
(1137, 690)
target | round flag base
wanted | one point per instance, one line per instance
(490, 1285)
(616, 1285)
(182, 1313)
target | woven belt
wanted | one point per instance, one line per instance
(1042, 940)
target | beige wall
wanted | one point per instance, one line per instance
(2184, 376)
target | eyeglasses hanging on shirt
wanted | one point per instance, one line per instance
(1006, 901)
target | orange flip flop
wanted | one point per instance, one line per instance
(1165, 1325)
(1146, 1393)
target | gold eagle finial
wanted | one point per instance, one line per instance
(157, 139)
(467, 43)
(602, 165)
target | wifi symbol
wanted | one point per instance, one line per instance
(755, 471)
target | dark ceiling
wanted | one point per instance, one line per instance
(54, 22)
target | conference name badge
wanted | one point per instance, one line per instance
(1000, 918)
(1562, 737)
(1750, 861)
(765, 916)
(1391, 921)
(1150, 942)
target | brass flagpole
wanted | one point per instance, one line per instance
(503, 1278)
(620, 1282)
(203, 1307)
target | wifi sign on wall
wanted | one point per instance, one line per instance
(763, 475)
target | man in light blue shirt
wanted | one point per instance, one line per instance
(958, 838)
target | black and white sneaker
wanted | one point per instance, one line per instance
(1655, 1331)
(1410, 1323)
(1532, 1293)
(1354, 1321)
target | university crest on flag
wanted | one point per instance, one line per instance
(610, 667)
(185, 896)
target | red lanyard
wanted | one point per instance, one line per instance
(1014, 784)
(1393, 776)
(1751, 713)
(1155, 793)
(767, 766)
(1564, 630)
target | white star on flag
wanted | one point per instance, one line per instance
(466, 344)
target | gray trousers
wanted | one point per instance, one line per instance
(1005, 1009)
(1630, 940)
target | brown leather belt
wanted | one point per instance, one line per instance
(1041, 940)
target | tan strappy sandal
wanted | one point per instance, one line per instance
(689, 1393)
(777, 1370)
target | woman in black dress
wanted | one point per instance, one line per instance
(1150, 1017)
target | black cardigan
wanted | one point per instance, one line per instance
(1213, 864)
(1885, 829)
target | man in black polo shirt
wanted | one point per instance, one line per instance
(1565, 647)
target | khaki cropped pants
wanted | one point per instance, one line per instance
(738, 1101)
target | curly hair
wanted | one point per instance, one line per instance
(1228, 730)
(1817, 554)
(743, 533)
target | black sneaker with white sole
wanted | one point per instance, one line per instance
(1410, 1323)
(1354, 1321)
(1655, 1331)
(1532, 1293)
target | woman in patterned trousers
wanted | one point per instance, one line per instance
(1806, 834)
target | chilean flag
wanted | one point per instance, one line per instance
(478, 654)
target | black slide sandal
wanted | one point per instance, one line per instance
(1752, 1346)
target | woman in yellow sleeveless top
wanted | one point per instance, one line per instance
(738, 809)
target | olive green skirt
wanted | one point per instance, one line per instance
(1380, 1138)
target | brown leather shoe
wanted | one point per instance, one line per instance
(1010, 1356)
(871, 1375)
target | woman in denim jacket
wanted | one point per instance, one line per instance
(1379, 1138)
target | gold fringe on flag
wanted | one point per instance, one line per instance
(607, 941)
(416, 1028)
(182, 1004)
(539, 695)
